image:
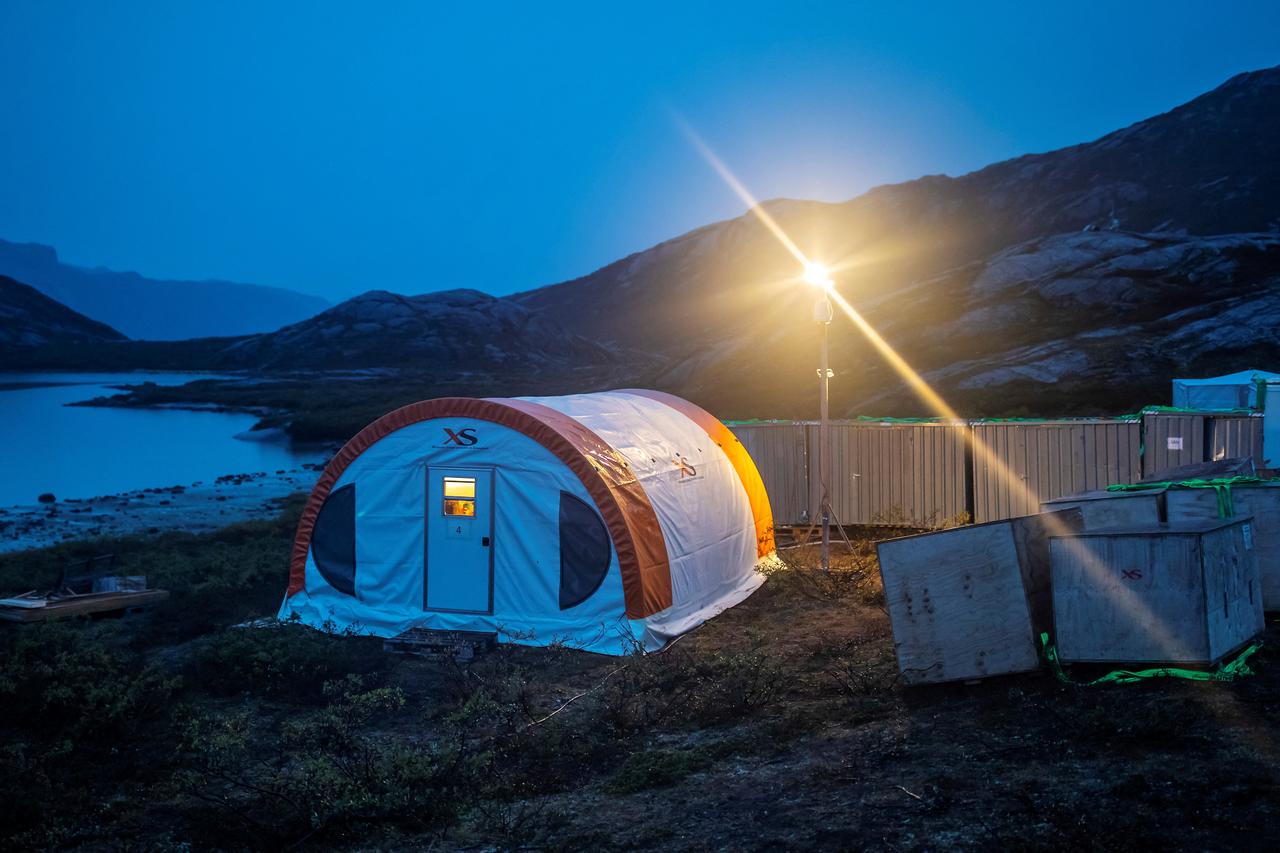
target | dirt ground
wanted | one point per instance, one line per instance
(780, 724)
(849, 759)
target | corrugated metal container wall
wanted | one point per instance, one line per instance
(1171, 439)
(902, 474)
(1235, 437)
(778, 449)
(1017, 465)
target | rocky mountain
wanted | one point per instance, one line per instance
(453, 330)
(1085, 322)
(464, 340)
(30, 319)
(1077, 281)
(155, 309)
(722, 304)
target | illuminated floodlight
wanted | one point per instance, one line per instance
(817, 274)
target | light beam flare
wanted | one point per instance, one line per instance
(819, 274)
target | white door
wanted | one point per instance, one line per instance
(459, 570)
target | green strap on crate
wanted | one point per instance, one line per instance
(1236, 669)
(1226, 507)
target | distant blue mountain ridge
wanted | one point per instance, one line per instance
(154, 309)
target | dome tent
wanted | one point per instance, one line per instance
(602, 521)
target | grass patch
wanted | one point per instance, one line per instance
(657, 768)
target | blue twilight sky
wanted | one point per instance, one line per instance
(415, 146)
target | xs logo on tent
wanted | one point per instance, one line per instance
(686, 470)
(464, 437)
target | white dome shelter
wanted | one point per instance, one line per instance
(604, 521)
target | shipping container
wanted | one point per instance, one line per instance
(1171, 440)
(1018, 465)
(894, 473)
(1235, 437)
(779, 451)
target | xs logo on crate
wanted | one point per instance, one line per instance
(1131, 574)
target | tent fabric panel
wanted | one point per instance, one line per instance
(390, 480)
(705, 516)
(622, 502)
(748, 474)
(660, 629)
(326, 609)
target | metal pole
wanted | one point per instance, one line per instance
(824, 438)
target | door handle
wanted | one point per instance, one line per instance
(484, 542)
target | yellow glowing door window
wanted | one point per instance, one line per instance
(460, 496)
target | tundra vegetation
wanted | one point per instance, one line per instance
(780, 723)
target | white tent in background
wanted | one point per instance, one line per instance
(602, 521)
(1232, 391)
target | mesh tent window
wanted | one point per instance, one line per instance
(584, 551)
(333, 543)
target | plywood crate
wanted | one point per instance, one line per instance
(969, 602)
(1101, 508)
(1185, 593)
(1261, 502)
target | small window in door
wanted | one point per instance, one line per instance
(460, 496)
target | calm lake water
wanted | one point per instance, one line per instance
(79, 452)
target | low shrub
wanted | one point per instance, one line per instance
(79, 714)
(851, 577)
(863, 668)
(657, 768)
(284, 660)
(330, 776)
(59, 680)
(732, 685)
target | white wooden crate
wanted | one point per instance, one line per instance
(1101, 508)
(1185, 593)
(969, 602)
(1261, 502)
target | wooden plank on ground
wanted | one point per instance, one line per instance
(81, 605)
